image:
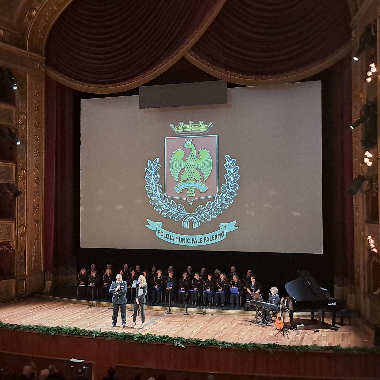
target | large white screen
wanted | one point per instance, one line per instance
(274, 133)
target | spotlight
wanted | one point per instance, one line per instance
(9, 134)
(368, 40)
(356, 184)
(368, 117)
(14, 190)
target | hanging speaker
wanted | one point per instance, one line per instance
(183, 94)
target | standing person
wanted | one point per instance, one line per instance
(141, 292)
(119, 290)
(222, 288)
(183, 288)
(82, 283)
(107, 280)
(158, 286)
(196, 288)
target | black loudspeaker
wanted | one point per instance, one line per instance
(183, 94)
(377, 337)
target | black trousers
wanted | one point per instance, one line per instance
(220, 298)
(81, 291)
(169, 294)
(194, 297)
(235, 299)
(207, 298)
(181, 297)
(156, 295)
(123, 312)
(140, 306)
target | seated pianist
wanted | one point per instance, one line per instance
(273, 299)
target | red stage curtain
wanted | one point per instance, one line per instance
(266, 39)
(58, 199)
(113, 41)
(338, 223)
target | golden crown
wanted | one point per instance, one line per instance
(192, 127)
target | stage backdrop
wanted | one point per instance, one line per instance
(273, 133)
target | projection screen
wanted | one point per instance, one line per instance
(267, 138)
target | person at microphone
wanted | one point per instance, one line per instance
(141, 292)
(118, 289)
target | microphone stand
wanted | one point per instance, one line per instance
(169, 309)
(186, 313)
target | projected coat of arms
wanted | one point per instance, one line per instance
(191, 173)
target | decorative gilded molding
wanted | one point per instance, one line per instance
(34, 173)
(22, 115)
(7, 172)
(367, 12)
(7, 114)
(40, 21)
(21, 60)
(7, 230)
(274, 79)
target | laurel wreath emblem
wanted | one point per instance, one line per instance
(170, 209)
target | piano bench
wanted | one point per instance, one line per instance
(344, 314)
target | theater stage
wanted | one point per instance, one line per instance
(222, 325)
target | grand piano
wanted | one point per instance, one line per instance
(306, 295)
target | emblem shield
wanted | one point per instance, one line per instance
(191, 167)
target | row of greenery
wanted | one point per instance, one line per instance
(178, 341)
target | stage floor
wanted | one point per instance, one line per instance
(231, 326)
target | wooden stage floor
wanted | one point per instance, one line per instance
(230, 326)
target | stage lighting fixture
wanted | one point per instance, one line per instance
(10, 135)
(14, 190)
(356, 184)
(368, 111)
(368, 40)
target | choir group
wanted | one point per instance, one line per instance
(191, 289)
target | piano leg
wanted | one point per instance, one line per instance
(291, 317)
(333, 317)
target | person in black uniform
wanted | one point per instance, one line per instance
(82, 283)
(183, 288)
(119, 290)
(196, 288)
(222, 288)
(208, 290)
(170, 287)
(125, 272)
(107, 280)
(203, 274)
(247, 277)
(132, 283)
(236, 290)
(141, 292)
(92, 288)
(158, 286)
(189, 271)
(253, 289)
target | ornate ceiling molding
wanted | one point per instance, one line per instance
(40, 19)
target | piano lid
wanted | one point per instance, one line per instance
(305, 288)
